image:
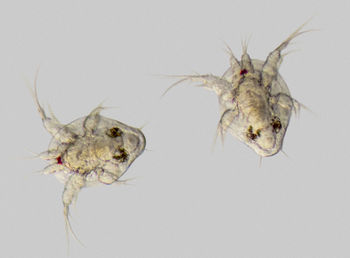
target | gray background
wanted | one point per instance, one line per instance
(186, 200)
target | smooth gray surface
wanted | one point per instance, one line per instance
(186, 200)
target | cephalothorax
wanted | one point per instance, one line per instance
(90, 150)
(255, 102)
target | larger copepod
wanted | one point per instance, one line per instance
(255, 101)
(90, 150)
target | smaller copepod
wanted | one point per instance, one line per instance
(90, 150)
(254, 100)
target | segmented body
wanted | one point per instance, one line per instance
(255, 102)
(90, 150)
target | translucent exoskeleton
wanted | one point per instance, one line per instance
(90, 150)
(254, 100)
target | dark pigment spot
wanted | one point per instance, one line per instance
(244, 71)
(276, 124)
(114, 132)
(251, 135)
(122, 156)
(59, 160)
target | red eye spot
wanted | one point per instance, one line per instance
(59, 160)
(244, 71)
